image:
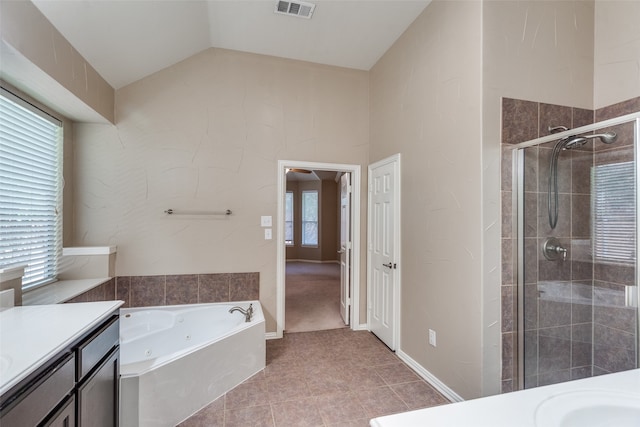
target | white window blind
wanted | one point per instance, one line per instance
(614, 206)
(30, 189)
(288, 218)
(310, 218)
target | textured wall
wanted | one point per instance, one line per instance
(39, 60)
(426, 104)
(617, 52)
(206, 135)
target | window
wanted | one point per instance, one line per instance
(30, 189)
(288, 218)
(310, 218)
(614, 213)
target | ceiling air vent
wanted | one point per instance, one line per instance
(295, 8)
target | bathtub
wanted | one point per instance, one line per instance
(174, 360)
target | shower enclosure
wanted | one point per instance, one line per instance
(576, 198)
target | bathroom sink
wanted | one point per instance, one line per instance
(5, 364)
(589, 408)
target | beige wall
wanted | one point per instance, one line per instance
(206, 135)
(426, 105)
(37, 59)
(617, 52)
(330, 221)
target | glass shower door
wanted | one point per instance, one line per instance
(577, 275)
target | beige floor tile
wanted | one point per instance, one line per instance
(299, 413)
(255, 416)
(326, 378)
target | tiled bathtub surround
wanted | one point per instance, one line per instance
(566, 334)
(104, 292)
(144, 291)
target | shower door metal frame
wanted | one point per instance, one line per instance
(518, 203)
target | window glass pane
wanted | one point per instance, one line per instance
(310, 218)
(310, 233)
(288, 218)
(30, 190)
(614, 206)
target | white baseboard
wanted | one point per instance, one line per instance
(361, 327)
(315, 261)
(271, 336)
(429, 377)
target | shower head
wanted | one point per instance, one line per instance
(574, 141)
(607, 137)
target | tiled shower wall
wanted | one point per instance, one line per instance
(144, 291)
(566, 336)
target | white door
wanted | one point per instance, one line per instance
(345, 246)
(384, 250)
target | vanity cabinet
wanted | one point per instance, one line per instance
(76, 388)
(65, 416)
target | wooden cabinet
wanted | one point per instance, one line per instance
(65, 416)
(98, 395)
(76, 388)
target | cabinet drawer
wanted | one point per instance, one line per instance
(91, 351)
(41, 396)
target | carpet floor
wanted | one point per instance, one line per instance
(312, 297)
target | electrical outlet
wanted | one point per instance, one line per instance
(267, 234)
(432, 337)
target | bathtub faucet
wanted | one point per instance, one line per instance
(247, 313)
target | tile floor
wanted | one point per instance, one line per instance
(326, 378)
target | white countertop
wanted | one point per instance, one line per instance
(31, 335)
(527, 408)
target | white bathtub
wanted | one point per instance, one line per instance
(174, 360)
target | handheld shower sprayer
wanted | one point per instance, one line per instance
(567, 143)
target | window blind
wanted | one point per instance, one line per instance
(288, 218)
(30, 189)
(310, 218)
(614, 208)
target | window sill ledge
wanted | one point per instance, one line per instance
(60, 291)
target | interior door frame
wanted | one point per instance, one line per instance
(356, 180)
(397, 286)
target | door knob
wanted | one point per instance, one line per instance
(389, 265)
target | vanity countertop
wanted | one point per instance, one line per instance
(31, 335)
(612, 399)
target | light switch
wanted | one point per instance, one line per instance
(267, 234)
(265, 221)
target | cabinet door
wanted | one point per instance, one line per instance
(66, 416)
(98, 395)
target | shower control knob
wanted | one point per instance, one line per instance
(553, 250)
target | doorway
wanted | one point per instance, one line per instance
(327, 258)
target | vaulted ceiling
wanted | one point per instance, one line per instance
(128, 40)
